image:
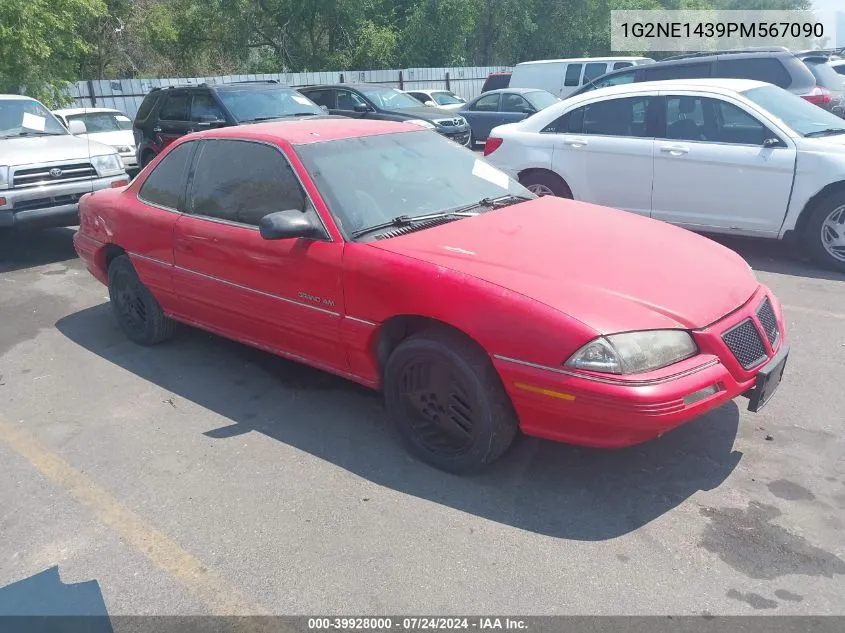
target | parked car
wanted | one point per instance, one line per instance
(167, 114)
(444, 99)
(716, 155)
(495, 81)
(775, 66)
(562, 77)
(838, 66)
(507, 105)
(467, 303)
(104, 125)
(370, 101)
(44, 170)
(831, 85)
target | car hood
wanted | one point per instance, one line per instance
(113, 138)
(47, 149)
(614, 271)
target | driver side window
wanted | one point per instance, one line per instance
(347, 100)
(203, 108)
(515, 103)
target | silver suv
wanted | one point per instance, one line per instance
(44, 170)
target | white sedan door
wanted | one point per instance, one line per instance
(718, 168)
(603, 150)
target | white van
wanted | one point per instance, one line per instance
(563, 76)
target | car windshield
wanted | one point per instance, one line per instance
(389, 98)
(102, 121)
(446, 98)
(27, 117)
(541, 99)
(802, 116)
(373, 179)
(247, 104)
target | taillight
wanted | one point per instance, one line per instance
(492, 145)
(818, 96)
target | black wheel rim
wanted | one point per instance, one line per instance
(437, 405)
(130, 304)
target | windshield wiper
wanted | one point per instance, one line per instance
(407, 220)
(493, 203)
(826, 132)
(38, 133)
(280, 116)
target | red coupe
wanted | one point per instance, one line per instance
(386, 254)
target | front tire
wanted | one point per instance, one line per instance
(137, 312)
(447, 402)
(824, 235)
(545, 183)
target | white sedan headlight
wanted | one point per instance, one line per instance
(421, 123)
(4, 177)
(107, 164)
(634, 352)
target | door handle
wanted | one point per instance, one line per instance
(675, 150)
(575, 142)
(156, 129)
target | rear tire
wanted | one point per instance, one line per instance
(447, 402)
(137, 312)
(545, 183)
(824, 236)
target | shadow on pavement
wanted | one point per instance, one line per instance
(27, 249)
(544, 487)
(776, 257)
(45, 595)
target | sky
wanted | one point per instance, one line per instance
(825, 11)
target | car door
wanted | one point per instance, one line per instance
(161, 201)
(514, 107)
(715, 170)
(284, 295)
(483, 115)
(604, 151)
(173, 118)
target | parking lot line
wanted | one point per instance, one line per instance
(220, 597)
(815, 311)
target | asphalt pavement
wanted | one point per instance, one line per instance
(204, 477)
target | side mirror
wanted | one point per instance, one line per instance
(75, 127)
(361, 108)
(324, 109)
(430, 103)
(773, 142)
(288, 224)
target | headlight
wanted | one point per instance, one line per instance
(107, 164)
(461, 121)
(4, 177)
(634, 352)
(124, 149)
(421, 123)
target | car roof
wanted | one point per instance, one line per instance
(72, 111)
(712, 84)
(583, 60)
(520, 91)
(304, 132)
(17, 98)
(352, 86)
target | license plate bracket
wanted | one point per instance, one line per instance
(768, 380)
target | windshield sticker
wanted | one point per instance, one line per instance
(301, 100)
(490, 174)
(33, 122)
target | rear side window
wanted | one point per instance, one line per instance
(615, 80)
(494, 82)
(570, 123)
(573, 75)
(147, 105)
(617, 117)
(768, 69)
(826, 76)
(594, 70)
(658, 72)
(175, 108)
(166, 184)
(241, 182)
(619, 65)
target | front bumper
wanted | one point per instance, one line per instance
(130, 161)
(459, 134)
(49, 205)
(611, 412)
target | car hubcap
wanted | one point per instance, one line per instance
(540, 190)
(437, 405)
(130, 305)
(833, 233)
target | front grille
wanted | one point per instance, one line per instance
(47, 175)
(746, 344)
(769, 322)
(449, 122)
(46, 203)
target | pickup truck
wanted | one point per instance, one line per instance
(45, 170)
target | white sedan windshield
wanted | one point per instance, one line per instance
(805, 118)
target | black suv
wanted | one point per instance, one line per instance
(774, 66)
(371, 101)
(168, 113)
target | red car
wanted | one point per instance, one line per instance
(386, 254)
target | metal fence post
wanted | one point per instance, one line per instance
(91, 93)
(401, 81)
(448, 87)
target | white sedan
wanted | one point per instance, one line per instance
(715, 155)
(104, 125)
